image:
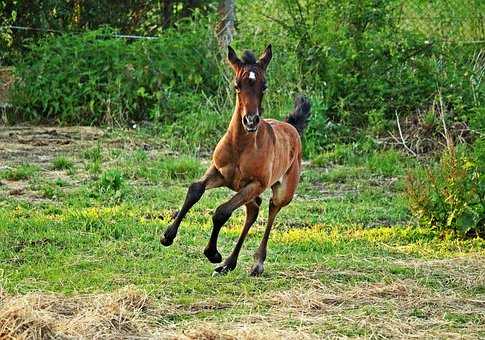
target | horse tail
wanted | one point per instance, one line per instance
(300, 115)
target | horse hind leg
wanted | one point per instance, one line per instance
(224, 212)
(282, 195)
(252, 211)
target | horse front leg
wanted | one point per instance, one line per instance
(211, 179)
(224, 212)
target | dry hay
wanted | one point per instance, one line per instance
(127, 312)
(236, 330)
(401, 309)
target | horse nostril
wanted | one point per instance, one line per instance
(251, 120)
(256, 120)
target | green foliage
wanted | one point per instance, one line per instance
(87, 79)
(352, 153)
(342, 153)
(21, 172)
(93, 153)
(388, 163)
(93, 167)
(128, 17)
(7, 17)
(360, 63)
(451, 195)
(51, 190)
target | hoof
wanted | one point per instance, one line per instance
(166, 241)
(257, 270)
(224, 269)
(213, 256)
(169, 235)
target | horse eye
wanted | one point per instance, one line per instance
(236, 87)
(265, 87)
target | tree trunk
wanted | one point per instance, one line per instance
(226, 27)
(167, 13)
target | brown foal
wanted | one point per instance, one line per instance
(253, 155)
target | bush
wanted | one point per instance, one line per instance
(93, 79)
(450, 196)
(362, 61)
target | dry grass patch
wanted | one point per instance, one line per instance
(247, 330)
(127, 312)
(466, 272)
(401, 309)
(398, 309)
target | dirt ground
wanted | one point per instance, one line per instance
(39, 145)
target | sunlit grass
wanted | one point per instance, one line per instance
(347, 231)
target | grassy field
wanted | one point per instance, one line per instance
(82, 209)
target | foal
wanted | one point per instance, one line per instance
(253, 155)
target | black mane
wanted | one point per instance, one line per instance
(248, 58)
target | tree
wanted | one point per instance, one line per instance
(226, 27)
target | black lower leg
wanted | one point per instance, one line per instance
(220, 217)
(252, 211)
(260, 254)
(194, 193)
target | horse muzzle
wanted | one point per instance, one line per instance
(251, 122)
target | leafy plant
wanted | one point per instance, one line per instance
(449, 196)
(88, 79)
(93, 153)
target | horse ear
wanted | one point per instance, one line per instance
(233, 59)
(265, 57)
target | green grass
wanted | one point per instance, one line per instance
(347, 233)
(62, 163)
(20, 172)
(93, 153)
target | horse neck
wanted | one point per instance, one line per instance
(239, 136)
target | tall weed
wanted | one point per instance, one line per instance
(449, 196)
